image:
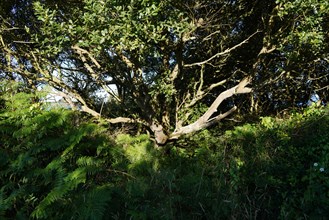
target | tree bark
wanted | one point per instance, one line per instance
(205, 120)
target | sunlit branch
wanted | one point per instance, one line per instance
(227, 51)
(205, 121)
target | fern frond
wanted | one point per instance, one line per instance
(74, 178)
(95, 203)
(89, 161)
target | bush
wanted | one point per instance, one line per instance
(52, 165)
(56, 164)
(275, 165)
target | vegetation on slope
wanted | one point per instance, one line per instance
(57, 164)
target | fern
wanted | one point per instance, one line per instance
(94, 203)
(57, 190)
(89, 161)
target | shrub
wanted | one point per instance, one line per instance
(56, 164)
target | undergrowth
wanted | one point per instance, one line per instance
(57, 164)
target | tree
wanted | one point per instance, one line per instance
(296, 69)
(164, 64)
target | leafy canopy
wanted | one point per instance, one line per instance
(173, 68)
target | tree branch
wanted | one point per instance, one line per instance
(222, 53)
(205, 121)
(81, 53)
(174, 73)
(126, 120)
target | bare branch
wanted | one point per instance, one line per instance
(209, 36)
(219, 117)
(125, 120)
(174, 73)
(90, 111)
(214, 85)
(205, 121)
(203, 93)
(67, 98)
(11, 29)
(318, 78)
(240, 88)
(23, 42)
(265, 50)
(81, 53)
(129, 63)
(326, 87)
(222, 53)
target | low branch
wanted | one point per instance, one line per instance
(125, 120)
(23, 42)
(92, 112)
(216, 119)
(205, 121)
(67, 98)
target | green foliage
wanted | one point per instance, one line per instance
(168, 60)
(109, 24)
(307, 28)
(50, 162)
(173, 186)
(275, 163)
(55, 164)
